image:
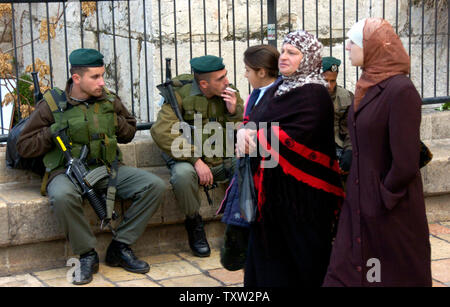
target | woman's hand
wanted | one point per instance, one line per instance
(246, 142)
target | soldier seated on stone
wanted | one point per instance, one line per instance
(342, 99)
(91, 115)
(204, 94)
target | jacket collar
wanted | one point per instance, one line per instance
(371, 94)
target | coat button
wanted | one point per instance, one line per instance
(358, 212)
(358, 240)
(354, 124)
(356, 153)
(357, 181)
(358, 268)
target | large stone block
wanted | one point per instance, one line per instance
(436, 175)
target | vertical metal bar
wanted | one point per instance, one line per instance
(65, 41)
(422, 47)
(31, 37)
(131, 59)
(331, 32)
(289, 16)
(272, 22)
(81, 26)
(98, 25)
(49, 46)
(384, 8)
(317, 18)
(190, 29)
(234, 42)
(410, 19)
(146, 62)
(303, 15)
(262, 22)
(248, 26)
(343, 36)
(204, 26)
(160, 41)
(175, 33)
(220, 38)
(114, 47)
(396, 16)
(16, 62)
(435, 44)
(448, 47)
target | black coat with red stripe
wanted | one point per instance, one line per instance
(298, 199)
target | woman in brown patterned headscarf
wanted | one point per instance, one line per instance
(383, 237)
(299, 196)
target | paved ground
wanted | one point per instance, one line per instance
(184, 270)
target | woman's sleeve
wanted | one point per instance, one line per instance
(404, 140)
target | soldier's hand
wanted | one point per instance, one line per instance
(229, 96)
(204, 173)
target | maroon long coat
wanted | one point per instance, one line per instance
(383, 216)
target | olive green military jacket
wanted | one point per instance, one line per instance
(191, 100)
(342, 99)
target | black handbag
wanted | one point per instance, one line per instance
(248, 201)
(425, 155)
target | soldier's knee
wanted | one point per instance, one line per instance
(183, 174)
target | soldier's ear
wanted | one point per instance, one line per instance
(76, 78)
(203, 84)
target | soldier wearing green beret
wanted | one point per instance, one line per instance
(92, 116)
(342, 99)
(207, 95)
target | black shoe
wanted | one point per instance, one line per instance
(88, 267)
(120, 254)
(197, 237)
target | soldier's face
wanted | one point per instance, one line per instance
(92, 81)
(330, 77)
(217, 83)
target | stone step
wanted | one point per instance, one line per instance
(26, 217)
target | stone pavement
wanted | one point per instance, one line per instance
(182, 269)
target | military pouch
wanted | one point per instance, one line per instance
(96, 175)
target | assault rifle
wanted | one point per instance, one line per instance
(77, 173)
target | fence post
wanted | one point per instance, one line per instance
(272, 22)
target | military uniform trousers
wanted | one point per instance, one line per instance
(143, 188)
(185, 183)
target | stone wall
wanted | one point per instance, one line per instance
(190, 38)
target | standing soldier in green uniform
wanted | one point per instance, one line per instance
(206, 94)
(342, 99)
(91, 115)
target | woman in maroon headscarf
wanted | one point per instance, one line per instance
(298, 185)
(382, 237)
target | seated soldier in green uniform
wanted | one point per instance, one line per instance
(342, 99)
(206, 94)
(91, 116)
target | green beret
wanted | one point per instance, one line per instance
(330, 63)
(86, 58)
(207, 63)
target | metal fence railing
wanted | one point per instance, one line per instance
(136, 35)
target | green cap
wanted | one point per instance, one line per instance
(330, 63)
(207, 63)
(86, 58)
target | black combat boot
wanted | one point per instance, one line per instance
(197, 237)
(120, 254)
(88, 267)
